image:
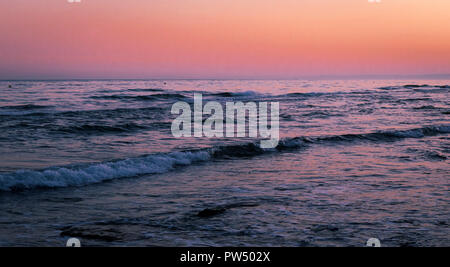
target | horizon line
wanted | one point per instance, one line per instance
(316, 77)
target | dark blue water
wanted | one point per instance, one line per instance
(96, 160)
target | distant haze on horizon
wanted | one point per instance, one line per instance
(44, 39)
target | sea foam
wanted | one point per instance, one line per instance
(161, 163)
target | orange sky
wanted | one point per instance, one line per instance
(222, 38)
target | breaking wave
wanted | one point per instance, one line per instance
(98, 172)
(161, 163)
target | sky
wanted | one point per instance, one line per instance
(195, 39)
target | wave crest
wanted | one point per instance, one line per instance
(161, 163)
(99, 172)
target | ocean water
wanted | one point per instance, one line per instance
(96, 160)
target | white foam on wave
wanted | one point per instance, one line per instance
(421, 132)
(248, 93)
(96, 173)
(162, 163)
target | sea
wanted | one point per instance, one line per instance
(96, 160)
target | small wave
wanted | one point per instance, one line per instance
(108, 112)
(168, 96)
(146, 90)
(390, 135)
(326, 94)
(389, 88)
(428, 154)
(322, 114)
(234, 94)
(24, 107)
(416, 85)
(140, 97)
(414, 99)
(88, 129)
(237, 151)
(85, 129)
(20, 110)
(435, 155)
(89, 113)
(426, 107)
(432, 90)
(306, 94)
(161, 163)
(425, 88)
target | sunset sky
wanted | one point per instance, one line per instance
(41, 39)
